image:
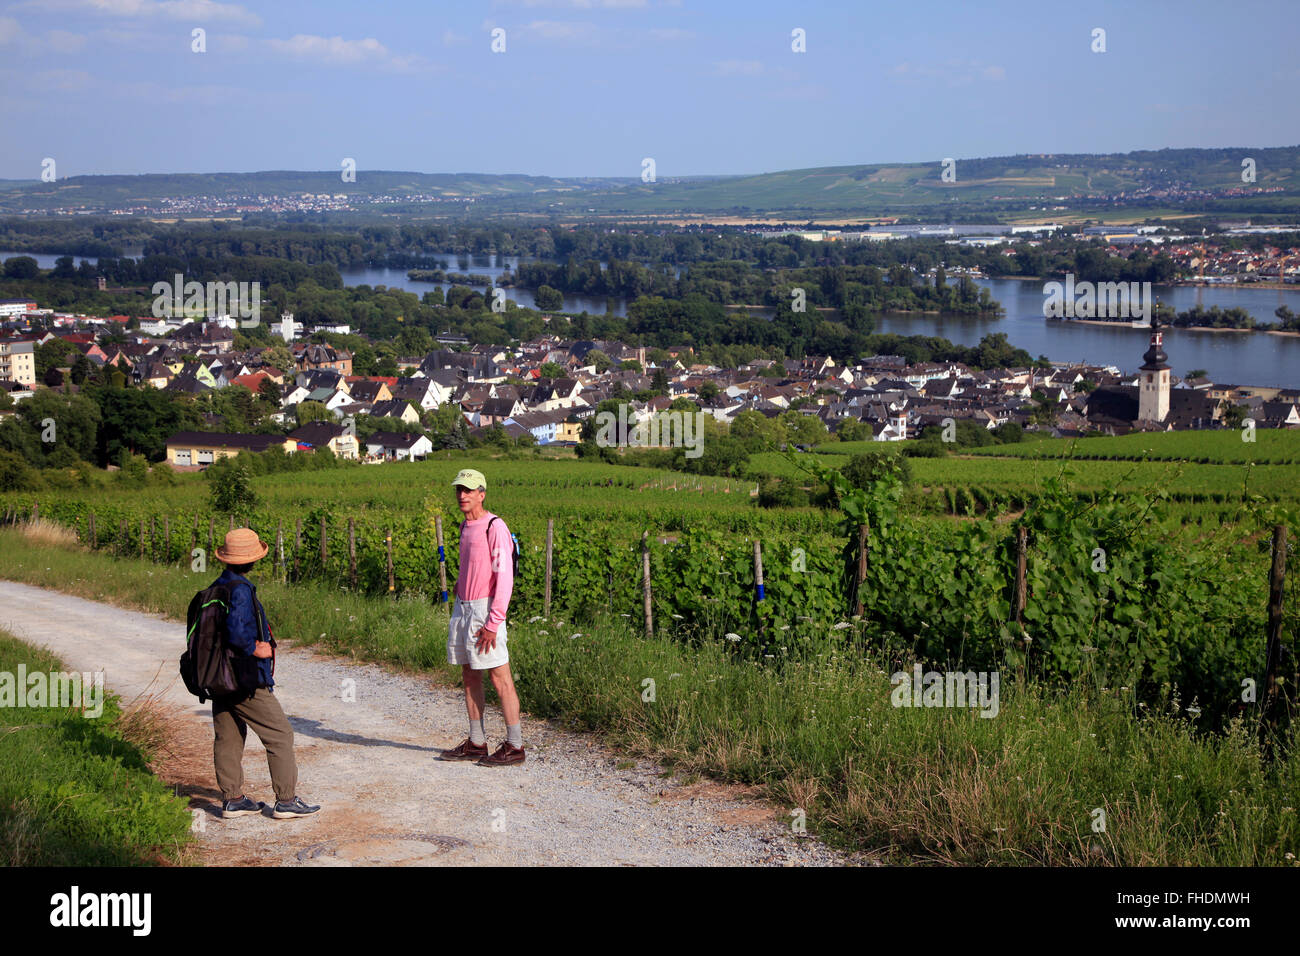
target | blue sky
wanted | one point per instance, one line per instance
(590, 87)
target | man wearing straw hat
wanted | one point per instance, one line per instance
(249, 635)
(476, 638)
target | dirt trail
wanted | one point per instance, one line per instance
(372, 765)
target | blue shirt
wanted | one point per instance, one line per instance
(246, 621)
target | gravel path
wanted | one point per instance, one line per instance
(372, 763)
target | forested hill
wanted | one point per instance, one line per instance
(1191, 180)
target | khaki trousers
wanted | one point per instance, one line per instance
(230, 722)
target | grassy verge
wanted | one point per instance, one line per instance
(76, 790)
(1068, 777)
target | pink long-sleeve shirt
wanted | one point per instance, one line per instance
(486, 567)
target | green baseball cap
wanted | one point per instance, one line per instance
(469, 478)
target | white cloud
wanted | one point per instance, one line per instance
(337, 51)
(451, 38)
(738, 68)
(54, 41)
(588, 4)
(202, 11)
(229, 42)
(562, 31)
(61, 41)
(671, 33)
(49, 81)
(951, 72)
(10, 31)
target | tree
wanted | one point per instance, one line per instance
(81, 370)
(548, 299)
(278, 357)
(1232, 415)
(707, 392)
(232, 486)
(21, 267)
(877, 465)
(854, 429)
(312, 412)
(551, 370)
(600, 360)
(269, 391)
(1200, 372)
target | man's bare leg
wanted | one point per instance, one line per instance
(504, 684)
(474, 701)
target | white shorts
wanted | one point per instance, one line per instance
(466, 618)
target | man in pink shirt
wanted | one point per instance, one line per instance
(476, 638)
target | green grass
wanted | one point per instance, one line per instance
(1271, 446)
(1015, 468)
(819, 733)
(74, 790)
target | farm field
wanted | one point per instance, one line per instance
(1121, 591)
(1271, 446)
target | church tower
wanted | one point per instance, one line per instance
(1153, 384)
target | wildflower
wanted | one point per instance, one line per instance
(542, 632)
(1290, 856)
(1178, 776)
(572, 636)
(769, 656)
(671, 676)
(678, 617)
(534, 619)
(840, 626)
(732, 637)
(1194, 711)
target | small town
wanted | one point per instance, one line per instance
(542, 392)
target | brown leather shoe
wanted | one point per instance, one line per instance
(504, 756)
(468, 750)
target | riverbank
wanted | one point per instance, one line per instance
(1175, 328)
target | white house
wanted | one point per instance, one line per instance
(398, 447)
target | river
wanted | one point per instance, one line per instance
(1239, 358)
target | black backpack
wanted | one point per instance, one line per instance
(210, 668)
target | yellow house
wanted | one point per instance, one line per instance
(568, 431)
(203, 448)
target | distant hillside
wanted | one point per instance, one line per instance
(1188, 180)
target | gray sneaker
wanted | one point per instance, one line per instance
(292, 810)
(241, 807)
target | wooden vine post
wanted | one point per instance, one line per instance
(861, 575)
(1022, 562)
(442, 559)
(391, 583)
(279, 550)
(550, 541)
(645, 583)
(1273, 651)
(352, 554)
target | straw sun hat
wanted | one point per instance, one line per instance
(242, 546)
